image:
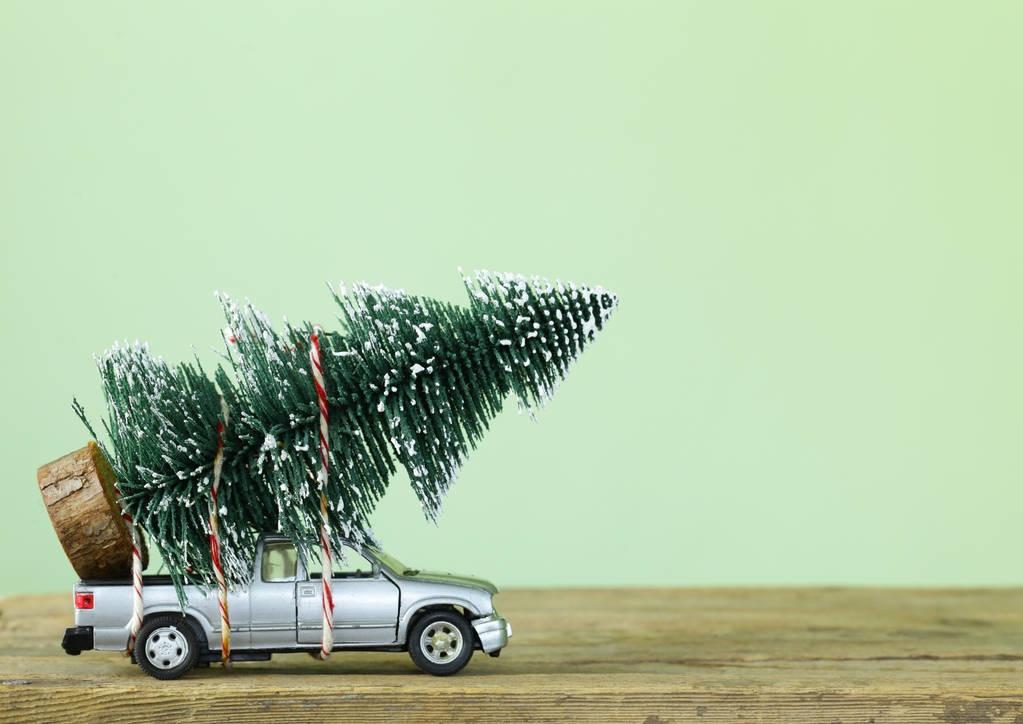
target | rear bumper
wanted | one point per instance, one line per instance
(493, 632)
(77, 639)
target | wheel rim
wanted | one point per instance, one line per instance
(166, 647)
(441, 642)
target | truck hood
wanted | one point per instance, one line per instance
(454, 579)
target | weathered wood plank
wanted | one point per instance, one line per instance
(639, 655)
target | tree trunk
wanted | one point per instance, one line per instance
(80, 497)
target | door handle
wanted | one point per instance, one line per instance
(306, 591)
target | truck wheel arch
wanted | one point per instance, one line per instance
(461, 607)
(194, 619)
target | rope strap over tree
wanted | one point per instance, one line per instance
(218, 568)
(326, 560)
(137, 605)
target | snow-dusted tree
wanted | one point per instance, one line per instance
(410, 381)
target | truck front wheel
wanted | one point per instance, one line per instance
(441, 643)
(166, 647)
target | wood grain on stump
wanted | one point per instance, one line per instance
(78, 490)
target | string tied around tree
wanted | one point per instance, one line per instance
(137, 605)
(218, 566)
(326, 558)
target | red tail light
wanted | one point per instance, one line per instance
(83, 600)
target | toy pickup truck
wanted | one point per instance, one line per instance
(379, 605)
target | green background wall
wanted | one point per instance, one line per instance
(811, 212)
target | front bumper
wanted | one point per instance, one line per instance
(77, 639)
(493, 632)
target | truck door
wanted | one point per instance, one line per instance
(272, 595)
(238, 609)
(365, 602)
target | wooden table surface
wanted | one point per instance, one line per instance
(636, 655)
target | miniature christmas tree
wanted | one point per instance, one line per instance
(409, 381)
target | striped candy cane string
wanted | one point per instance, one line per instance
(218, 568)
(327, 640)
(136, 585)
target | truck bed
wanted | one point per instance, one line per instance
(150, 580)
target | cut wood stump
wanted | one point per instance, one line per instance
(79, 493)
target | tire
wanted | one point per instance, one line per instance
(166, 647)
(441, 643)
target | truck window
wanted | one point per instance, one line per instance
(280, 562)
(348, 563)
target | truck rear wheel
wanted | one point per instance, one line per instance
(441, 643)
(166, 647)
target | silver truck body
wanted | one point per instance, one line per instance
(280, 611)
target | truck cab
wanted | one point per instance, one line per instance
(379, 605)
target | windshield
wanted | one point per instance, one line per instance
(389, 561)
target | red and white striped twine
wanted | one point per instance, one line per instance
(136, 584)
(218, 568)
(327, 640)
